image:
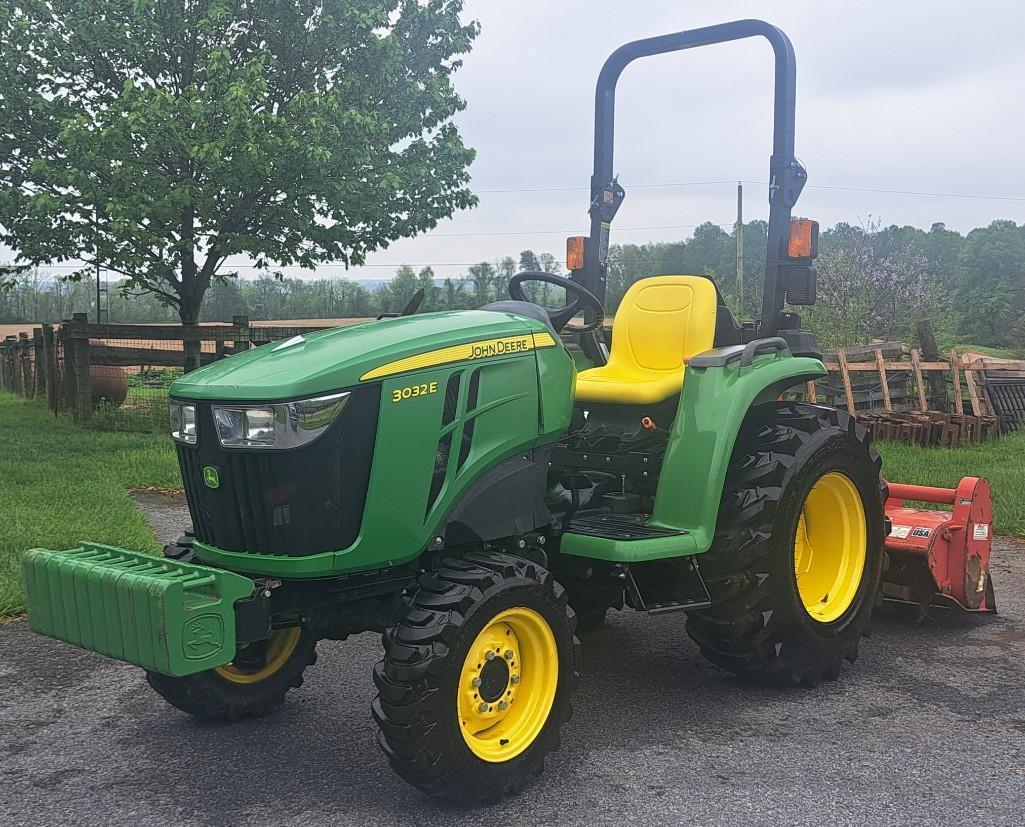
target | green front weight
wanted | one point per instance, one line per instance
(163, 615)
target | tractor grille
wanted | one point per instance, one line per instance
(299, 502)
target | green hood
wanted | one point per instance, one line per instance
(330, 360)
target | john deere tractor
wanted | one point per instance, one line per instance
(478, 485)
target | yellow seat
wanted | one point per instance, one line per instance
(661, 323)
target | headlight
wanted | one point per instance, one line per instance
(278, 425)
(183, 422)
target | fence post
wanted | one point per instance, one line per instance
(881, 367)
(978, 407)
(916, 368)
(81, 387)
(25, 358)
(4, 370)
(955, 378)
(14, 363)
(38, 365)
(13, 368)
(846, 376)
(50, 360)
(241, 344)
(83, 383)
(66, 390)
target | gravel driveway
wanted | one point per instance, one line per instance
(928, 727)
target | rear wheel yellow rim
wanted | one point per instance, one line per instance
(279, 649)
(830, 547)
(507, 685)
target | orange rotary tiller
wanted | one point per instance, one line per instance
(940, 557)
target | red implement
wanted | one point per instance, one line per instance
(939, 557)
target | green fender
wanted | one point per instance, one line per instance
(717, 395)
(715, 402)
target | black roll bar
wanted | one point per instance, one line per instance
(786, 175)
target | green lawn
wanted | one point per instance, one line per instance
(995, 352)
(1001, 462)
(62, 484)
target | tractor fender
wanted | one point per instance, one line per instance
(720, 389)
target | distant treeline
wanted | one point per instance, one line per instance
(874, 281)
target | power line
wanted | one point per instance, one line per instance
(918, 193)
(923, 194)
(587, 189)
(577, 230)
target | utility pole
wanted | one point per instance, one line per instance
(98, 319)
(740, 250)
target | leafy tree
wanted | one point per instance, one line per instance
(869, 287)
(223, 301)
(160, 137)
(354, 299)
(529, 260)
(482, 276)
(991, 283)
(398, 291)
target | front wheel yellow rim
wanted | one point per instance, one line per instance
(279, 649)
(507, 684)
(830, 547)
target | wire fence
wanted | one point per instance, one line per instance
(131, 398)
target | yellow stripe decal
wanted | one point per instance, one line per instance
(485, 349)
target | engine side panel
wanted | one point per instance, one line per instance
(440, 429)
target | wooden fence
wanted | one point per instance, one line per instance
(67, 363)
(910, 412)
(22, 364)
(964, 374)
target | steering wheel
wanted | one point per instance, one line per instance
(577, 298)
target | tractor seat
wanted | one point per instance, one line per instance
(660, 324)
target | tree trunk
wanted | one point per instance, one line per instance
(189, 313)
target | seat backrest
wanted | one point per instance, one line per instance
(662, 322)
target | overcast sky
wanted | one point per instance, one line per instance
(921, 95)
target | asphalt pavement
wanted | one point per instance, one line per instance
(927, 728)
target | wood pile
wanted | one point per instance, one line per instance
(929, 428)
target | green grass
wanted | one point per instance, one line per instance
(62, 484)
(995, 352)
(1001, 462)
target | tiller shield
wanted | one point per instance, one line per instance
(940, 557)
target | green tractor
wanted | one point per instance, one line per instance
(478, 485)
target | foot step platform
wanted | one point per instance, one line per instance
(620, 527)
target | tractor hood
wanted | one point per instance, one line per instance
(338, 358)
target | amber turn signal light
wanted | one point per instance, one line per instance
(804, 239)
(575, 252)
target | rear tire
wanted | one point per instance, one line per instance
(434, 676)
(759, 625)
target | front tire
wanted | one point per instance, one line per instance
(795, 567)
(252, 686)
(476, 678)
